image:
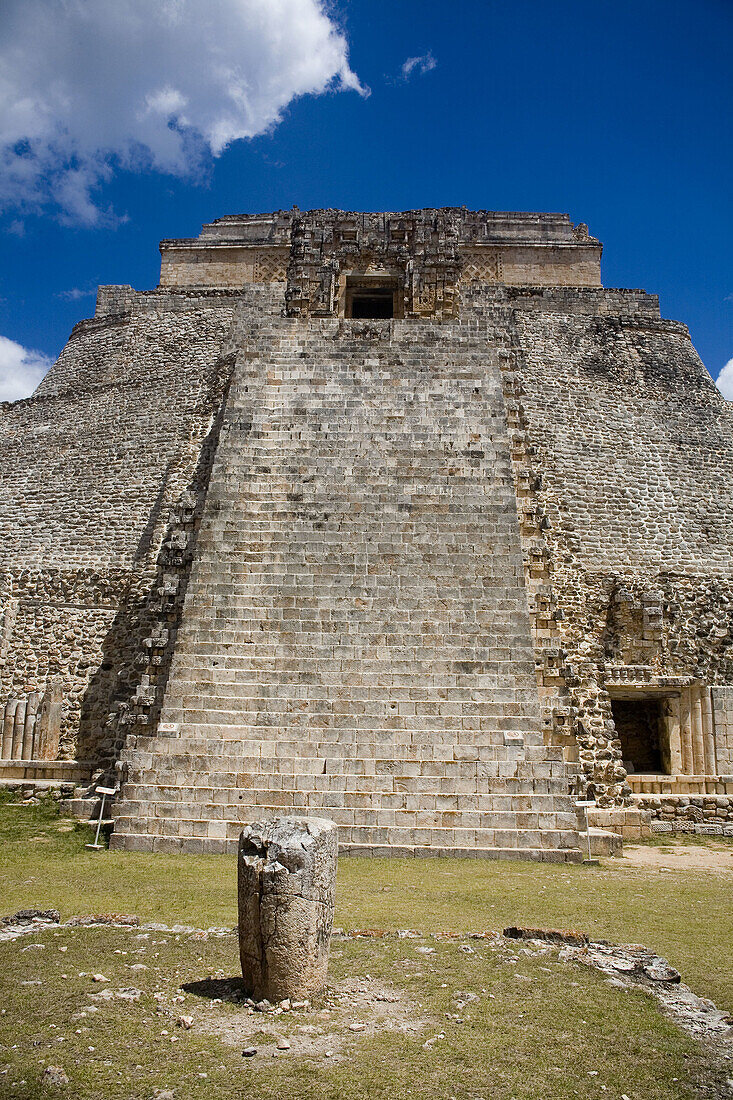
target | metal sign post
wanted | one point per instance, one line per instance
(104, 791)
(584, 805)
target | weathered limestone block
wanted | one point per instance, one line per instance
(50, 723)
(287, 882)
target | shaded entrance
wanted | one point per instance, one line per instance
(377, 303)
(641, 729)
(368, 296)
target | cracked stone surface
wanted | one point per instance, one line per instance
(287, 880)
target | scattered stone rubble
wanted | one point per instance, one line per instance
(361, 1006)
(633, 966)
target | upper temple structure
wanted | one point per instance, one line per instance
(400, 519)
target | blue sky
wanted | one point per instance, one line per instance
(616, 113)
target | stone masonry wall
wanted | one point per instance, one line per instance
(624, 473)
(92, 465)
(427, 252)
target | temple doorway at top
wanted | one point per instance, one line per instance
(376, 304)
(642, 730)
(370, 297)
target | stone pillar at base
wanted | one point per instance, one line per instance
(287, 885)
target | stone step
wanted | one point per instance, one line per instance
(330, 671)
(409, 741)
(37, 784)
(226, 833)
(428, 756)
(372, 760)
(322, 770)
(55, 771)
(159, 783)
(146, 842)
(351, 807)
(602, 843)
(229, 747)
(239, 775)
(287, 692)
(189, 802)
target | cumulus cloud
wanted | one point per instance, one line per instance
(21, 369)
(724, 381)
(418, 65)
(87, 87)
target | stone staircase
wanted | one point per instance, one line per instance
(355, 640)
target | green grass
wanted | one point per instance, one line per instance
(533, 1039)
(537, 1031)
(685, 915)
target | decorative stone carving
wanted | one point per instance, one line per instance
(271, 266)
(482, 265)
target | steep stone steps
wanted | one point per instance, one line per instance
(355, 636)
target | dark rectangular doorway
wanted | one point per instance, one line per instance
(640, 727)
(371, 302)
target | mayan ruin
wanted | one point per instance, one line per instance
(398, 519)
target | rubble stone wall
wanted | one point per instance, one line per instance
(622, 453)
(686, 813)
(92, 465)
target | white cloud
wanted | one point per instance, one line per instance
(21, 369)
(76, 293)
(420, 65)
(87, 86)
(724, 381)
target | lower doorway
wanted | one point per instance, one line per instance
(641, 729)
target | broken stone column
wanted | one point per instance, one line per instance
(287, 883)
(49, 723)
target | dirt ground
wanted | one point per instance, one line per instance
(678, 857)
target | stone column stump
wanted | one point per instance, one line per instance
(287, 885)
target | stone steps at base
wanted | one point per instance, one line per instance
(371, 832)
(395, 813)
(144, 842)
(87, 809)
(602, 843)
(448, 799)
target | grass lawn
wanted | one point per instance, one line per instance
(532, 1027)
